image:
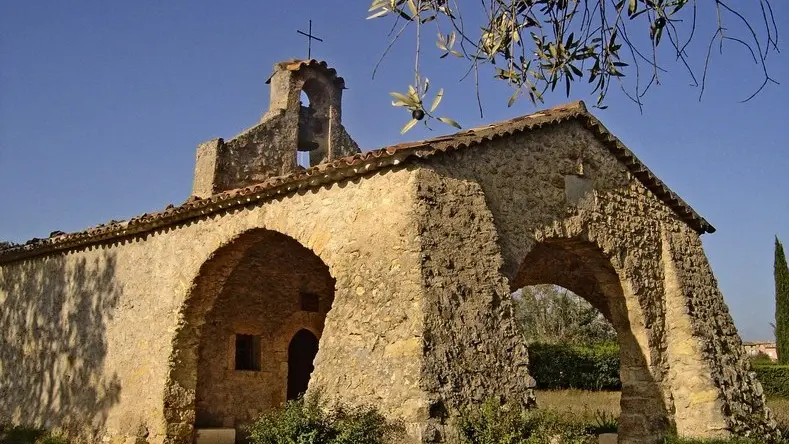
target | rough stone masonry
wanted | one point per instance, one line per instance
(395, 264)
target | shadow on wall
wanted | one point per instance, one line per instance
(53, 322)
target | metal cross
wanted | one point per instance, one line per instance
(310, 38)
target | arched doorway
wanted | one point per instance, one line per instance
(231, 354)
(585, 270)
(301, 353)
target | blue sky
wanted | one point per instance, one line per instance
(103, 103)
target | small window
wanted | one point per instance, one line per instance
(247, 352)
(310, 302)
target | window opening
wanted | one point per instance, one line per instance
(310, 302)
(248, 352)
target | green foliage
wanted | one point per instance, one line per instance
(10, 434)
(551, 314)
(761, 358)
(774, 379)
(604, 422)
(781, 303)
(310, 421)
(413, 100)
(536, 45)
(559, 366)
(733, 440)
(51, 439)
(493, 423)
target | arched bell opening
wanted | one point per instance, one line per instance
(314, 120)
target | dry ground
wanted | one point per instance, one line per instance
(587, 404)
(780, 408)
(579, 403)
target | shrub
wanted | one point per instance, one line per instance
(774, 379)
(561, 366)
(493, 423)
(52, 439)
(604, 422)
(16, 434)
(733, 440)
(761, 358)
(310, 421)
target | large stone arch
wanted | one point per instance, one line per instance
(537, 193)
(582, 267)
(215, 293)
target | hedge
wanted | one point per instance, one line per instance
(596, 367)
(561, 366)
(774, 379)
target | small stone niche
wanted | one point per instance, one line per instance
(247, 352)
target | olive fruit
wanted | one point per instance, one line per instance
(418, 114)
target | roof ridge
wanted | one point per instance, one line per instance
(356, 165)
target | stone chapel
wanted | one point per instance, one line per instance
(380, 277)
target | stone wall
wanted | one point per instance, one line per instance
(259, 153)
(537, 197)
(103, 340)
(472, 350)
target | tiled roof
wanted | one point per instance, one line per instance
(297, 64)
(359, 164)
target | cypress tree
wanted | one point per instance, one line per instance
(781, 303)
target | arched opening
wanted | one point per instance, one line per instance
(230, 358)
(313, 135)
(301, 353)
(305, 142)
(583, 269)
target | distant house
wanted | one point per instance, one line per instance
(767, 348)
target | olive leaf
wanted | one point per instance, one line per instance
(536, 45)
(450, 122)
(408, 126)
(437, 100)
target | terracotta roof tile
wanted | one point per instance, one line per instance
(359, 164)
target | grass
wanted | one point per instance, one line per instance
(587, 405)
(579, 403)
(598, 409)
(780, 408)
